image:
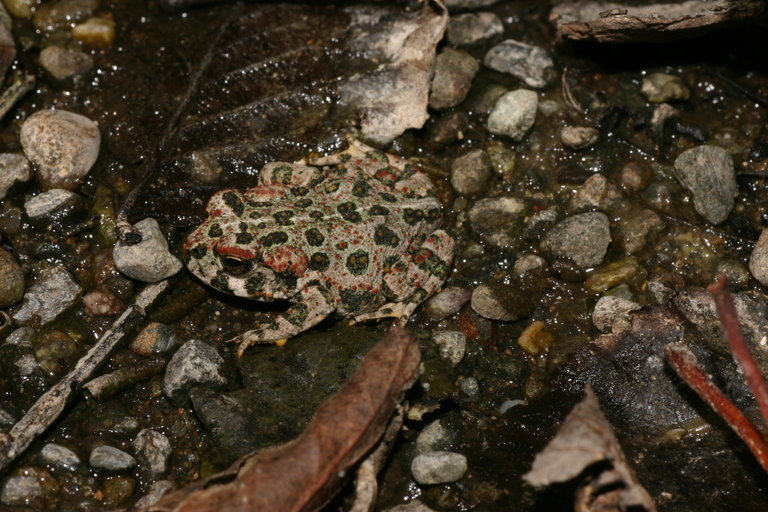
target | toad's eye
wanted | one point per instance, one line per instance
(236, 266)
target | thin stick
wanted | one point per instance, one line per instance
(730, 320)
(684, 362)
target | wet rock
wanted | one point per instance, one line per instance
(155, 338)
(14, 168)
(447, 302)
(11, 280)
(514, 114)
(223, 417)
(497, 301)
(540, 222)
(661, 88)
(57, 455)
(596, 193)
(579, 137)
(20, 490)
(21, 336)
(454, 72)
(452, 345)
(438, 467)
(117, 489)
(635, 176)
(7, 419)
(20, 8)
(110, 458)
(470, 387)
(498, 220)
(736, 273)
(62, 145)
(473, 27)
(53, 207)
(582, 238)
(62, 13)
(449, 127)
(52, 292)
(502, 159)
(102, 302)
(112, 419)
(64, 63)
(433, 437)
(95, 32)
(153, 450)
(637, 229)
(194, 364)
(156, 491)
(528, 263)
(470, 172)
(708, 173)
(613, 274)
(149, 260)
(612, 313)
(413, 506)
(758, 260)
(536, 338)
(660, 290)
(528, 63)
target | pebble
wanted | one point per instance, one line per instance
(528, 263)
(65, 63)
(638, 228)
(20, 8)
(579, 137)
(52, 292)
(758, 260)
(53, 205)
(635, 176)
(449, 127)
(57, 455)
(432, 437)
(19, 490)
(536, 338)
(454, 72)
(530, 64)
(156, 491)
(447, 302)
(662, 87)
(470, 172)
(21, 336)
(660, 290)
(62, 145)
(194, 364)
(497, 220)
(149, 260)
(596, 193)
(452, 345)
(514, 114)
(708, 173)
(734, 272)
(502, 159)
(7, 419)
(11, 280)
(153, 451)
(501, 302)
(613, 274)
(468, 29)
(111, 459)
(155, 338)
(582, 238)
(62, 13)
(611, 314)
(14, 168)
(95, 32)
(470, 387)
(438, 467)
(102, 302)
(541, 222)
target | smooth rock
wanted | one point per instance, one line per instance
(454, 72)
(51, 205)
(528, 263)
(635, 176)
(153, 450)
(14, 168)
(579, 137)
(514, 114)
(18, 490)
(473, 27)
(637, 229)
(736, 273)
(612, 313)
(497, 301)
(11, 280)
(149, 260)
(662, 87)
(708, 173)
(498, 220)
(447, 302)
(433, 437)
(470, 387)
(95, 32)
(62, 13)
(536, 338)
(20, 8)
(452, 345)
(438, 467)
(102, 302)
(52, 292)
(65, 63)
(62, 145)
(758, 260)
(194, 364)
(57, 455)
(582, 238)
(502, 158)
(110, 458)
(615, 273)
(470, 172)
(530, 64)
(540, 222)
(596, 193)
(156, 491)
(155, 338)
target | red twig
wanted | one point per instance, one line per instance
(730, 321)
(684, 362)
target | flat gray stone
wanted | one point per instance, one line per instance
(14, 168)
(708, 173)
(470, 28)
(531, 64)
(53, 292)
(514, 114)
(438, 467)
(582, 238)
(149, 260)
(194, 364)
(110, 458)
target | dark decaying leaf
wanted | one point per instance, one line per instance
(584, 441)
(304, 474)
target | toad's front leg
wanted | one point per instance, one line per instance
(312, 305)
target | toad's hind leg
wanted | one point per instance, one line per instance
(414, 277)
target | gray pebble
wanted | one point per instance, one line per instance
(194, 364)
(473, 27)
(530, 64)
(52, 292)
(65, 63)
(111, 459)
(514, 114)
(18, 490)
(446, 302)
(612, 313)
(500, 302)
(708, 173)
(660, 291)
(153, 450)
(497, 219)
(470, 387)
(579, 137)
(51, 204)
(454, 72)
(758, 260)
(637, 228)
(452, 345)
(155, 338)
(438, 467)
(596, 193)
(662, 87)
(149, 260)
(11, 280)
(21, 336)
(635, 176)
(62, 13)
(528, 263)
(57, 455)
(582, 238)
(541, 222)
(470, 172)
(156, 491)
(62, 145)
(14, 168)
(433, 436)
(734, 272)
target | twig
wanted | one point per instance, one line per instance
(730, 320)
(48, 407)
(685, 364)
(14, 92)
(104, 386)
(568, 94)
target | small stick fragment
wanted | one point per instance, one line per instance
(106, 385)
(18, 88)
(685, 364)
